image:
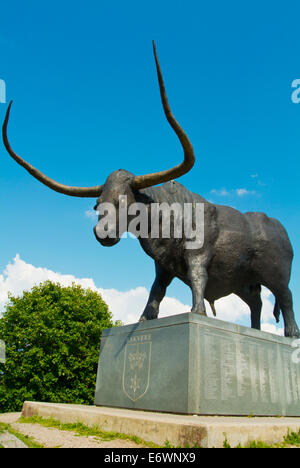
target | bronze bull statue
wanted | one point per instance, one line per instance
(239, 254)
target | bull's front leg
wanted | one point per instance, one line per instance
(157, 293)
(197, 275)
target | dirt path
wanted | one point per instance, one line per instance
(51, 437)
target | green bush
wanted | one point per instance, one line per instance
(52, 336)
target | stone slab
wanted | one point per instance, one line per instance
(191, 364)
(178, 430)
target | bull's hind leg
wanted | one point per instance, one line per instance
(251, 295)
(285, 299)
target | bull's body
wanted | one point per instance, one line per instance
(240, 253)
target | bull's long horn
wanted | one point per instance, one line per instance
(66, 189)
(189, 159)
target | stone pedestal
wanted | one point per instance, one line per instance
(191, 364)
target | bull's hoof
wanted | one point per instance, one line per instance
(292, 331)
(143, 318)
(149, 314)
(199, 311)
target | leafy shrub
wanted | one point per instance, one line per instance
(52, 336)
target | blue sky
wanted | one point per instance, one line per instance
(86, 102)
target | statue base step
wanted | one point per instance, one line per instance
(191, 364)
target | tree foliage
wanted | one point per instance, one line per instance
(52, 336)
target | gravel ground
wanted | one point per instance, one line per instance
(52, 437)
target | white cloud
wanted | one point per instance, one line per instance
(241, 192)
(92, 214)
(127, 306)
(222, 193)
(19, 276)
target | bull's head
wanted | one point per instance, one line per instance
(119, 182)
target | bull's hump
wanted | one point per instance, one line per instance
(171, 192)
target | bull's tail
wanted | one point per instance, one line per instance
(276, 310)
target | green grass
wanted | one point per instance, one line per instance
(82, 430)
(291, 439)
(29, 441)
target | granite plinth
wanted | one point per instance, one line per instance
(191, 364)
